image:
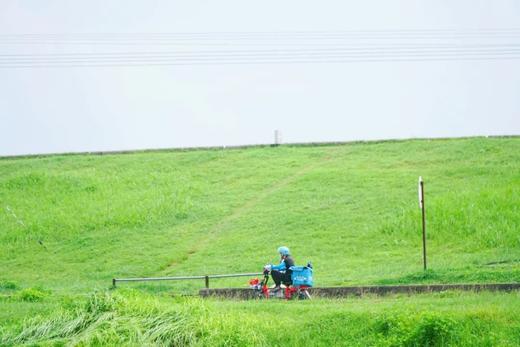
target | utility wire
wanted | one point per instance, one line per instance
(257, 60)
(277, 33)
(259, 53)
(331, 61)
(387, 48)
(253, 54)
(256, 56)
(248, 48)
(170, 38)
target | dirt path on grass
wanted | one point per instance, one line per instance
(242, 210)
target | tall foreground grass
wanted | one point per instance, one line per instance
(106, 320)
(136, 319)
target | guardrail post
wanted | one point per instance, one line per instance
(113, 282)
(206, 280)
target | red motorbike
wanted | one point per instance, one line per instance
(292, 291)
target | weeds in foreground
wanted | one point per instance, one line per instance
(131, 318)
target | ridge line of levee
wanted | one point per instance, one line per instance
(239, 211)
(259, 145)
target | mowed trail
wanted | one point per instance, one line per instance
(242, 210)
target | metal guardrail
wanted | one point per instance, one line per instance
(182, 278)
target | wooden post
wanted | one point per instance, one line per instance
(421, 204)
(206, 280)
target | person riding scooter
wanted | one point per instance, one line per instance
(281, 273)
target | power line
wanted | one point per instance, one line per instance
(253, 56)
(289, 60)
(260, 53)
(265, 47)
(163, 38)
(348, 48)
(266, 62)
(406, 50)
(278, 33)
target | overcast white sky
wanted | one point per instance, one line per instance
(44, 110)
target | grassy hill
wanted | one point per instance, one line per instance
(69, 223)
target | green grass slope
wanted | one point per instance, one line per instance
(73, 222)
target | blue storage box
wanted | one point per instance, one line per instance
(301, 276)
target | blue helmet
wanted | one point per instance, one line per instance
(284, 250)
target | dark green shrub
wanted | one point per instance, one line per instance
(392, 330)
(31, 294)
(434, 330)
(8, 285)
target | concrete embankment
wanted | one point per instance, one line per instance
(341, 292)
